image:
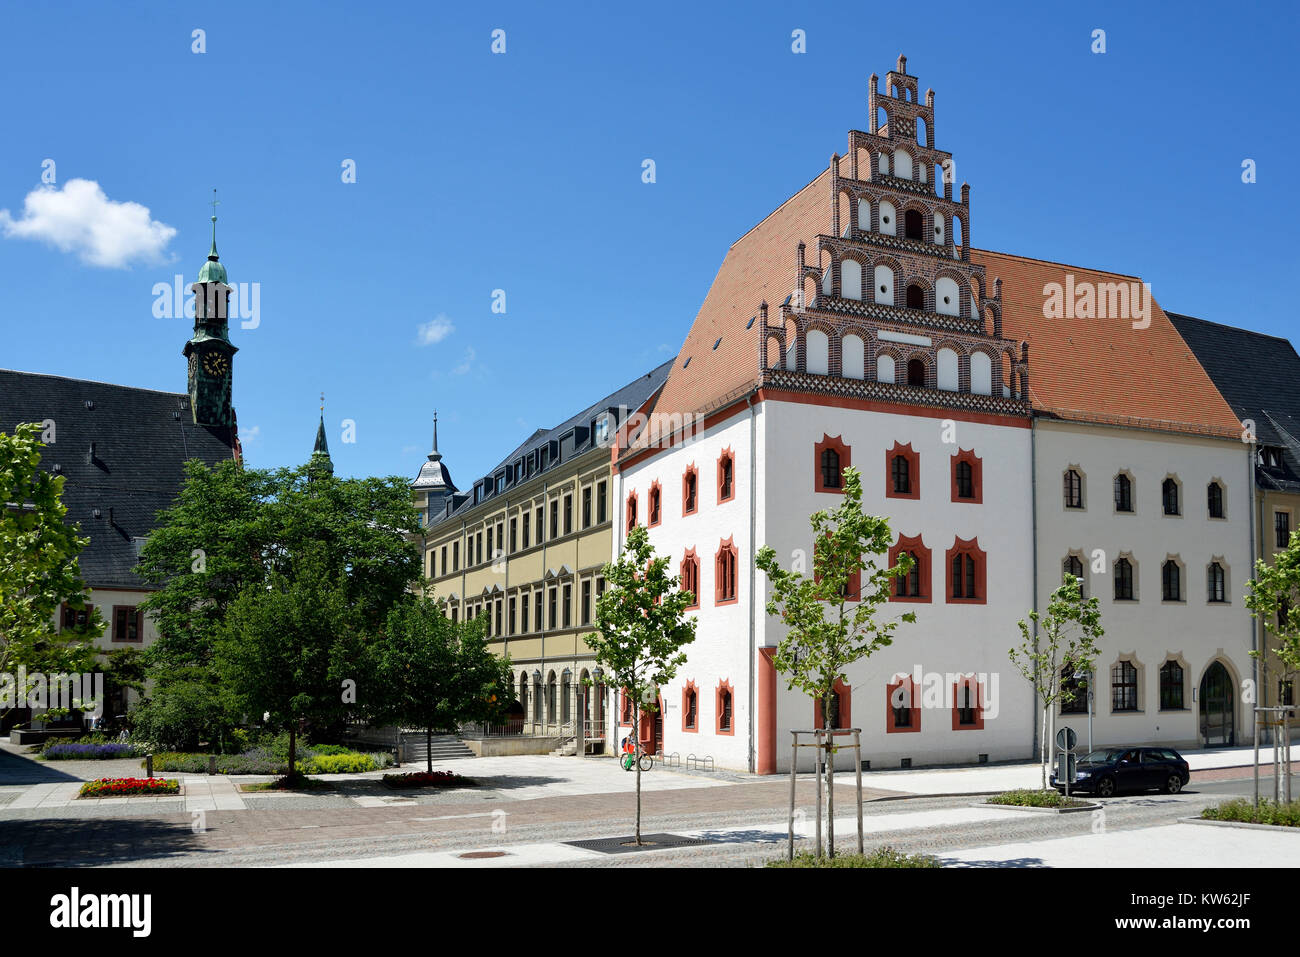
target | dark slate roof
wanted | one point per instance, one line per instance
(573, 437)
(1259, 376)
(141, 438)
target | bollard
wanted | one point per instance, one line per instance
(212, 764)
(148, 765)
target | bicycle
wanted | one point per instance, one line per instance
(629, 760)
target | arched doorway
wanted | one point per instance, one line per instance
(1216, 694)
(652, 728)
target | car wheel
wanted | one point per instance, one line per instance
(1106, 787)
(1174, 784)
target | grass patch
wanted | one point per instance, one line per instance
(1245, 812)
(880, 857)
(129, 787)
(422, 779)
(318, 759)
(1024, 797)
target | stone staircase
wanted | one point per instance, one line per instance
(442, 747)
(568, 749)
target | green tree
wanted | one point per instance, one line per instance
(1064, 639)
(831, 616)
(1271, 598)
(38, 567)
(232, 529)
(643, 628)
(286, 650)
(433, 673)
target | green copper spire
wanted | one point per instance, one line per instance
(212, 270)
(320, 453)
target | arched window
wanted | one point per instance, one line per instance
(1169, 493)
(914, 225)
(1171, 686)
(655, 501)
(724, 574)
(965, 481)
(900, 474)
(1214, 583)
(1123, 686)
(967, 706)
(884, 368)
(1123, 580)
(690, 707)
(690, 488)
(909, 585)
(724, 701)
(981, 373)
(902, 705)
(916, 373)
(915, 296)
(947, 375)
(1123, 493)
(690, 577)
(726, 483)
(966, 561)
(830, 468)
(1214, 500)
(852, 357)
(947, 299)
(850, 279)
(1171, 581)
(817, 352)
(1072, 567)
(884, 291)
(631, 511)
(915, 584)
(1073, 487)
(888, 220)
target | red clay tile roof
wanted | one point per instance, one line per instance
(760, 266)
(1092, 370)
(1104, 370)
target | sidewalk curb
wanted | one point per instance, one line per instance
(1048, 810)
(1245, 824)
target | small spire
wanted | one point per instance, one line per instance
(435, 455)
(321, 447)
(215, 203)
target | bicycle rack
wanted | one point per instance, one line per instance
(701, 763)
(673, 760)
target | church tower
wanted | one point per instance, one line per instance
(321, 463)
(433, 486)
(209, 350)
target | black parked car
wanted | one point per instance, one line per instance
(1110, 770)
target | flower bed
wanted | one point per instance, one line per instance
(1027, 798)
(330, 759)
(88, 752)
(127, 787)
(880, 857)
(421, 779)
(1242, 811)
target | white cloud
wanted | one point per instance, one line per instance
(464, 365)
(80, 218)
(435, 330)
(251, 434)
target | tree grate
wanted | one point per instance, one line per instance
(651, 842)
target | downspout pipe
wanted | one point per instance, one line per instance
(753, 575)
(1033, 550)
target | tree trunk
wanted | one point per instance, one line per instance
(830, 778)
(1042, 745)
(428, 748)
(293, 749)
(636, 758)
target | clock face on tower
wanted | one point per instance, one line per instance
(215, 364)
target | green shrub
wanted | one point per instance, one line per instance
(1243, 811)
(330, 749)
(880, 857)
(346, 763)
(1024, 797)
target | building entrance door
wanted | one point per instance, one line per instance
(1216, 706)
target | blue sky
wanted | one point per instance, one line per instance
(522, 171)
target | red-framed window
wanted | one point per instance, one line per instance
(831, 457)
(128, 624)
(631, 511)
(726, 475)
(624, 708)
(902, 472)
(967, 477)
(689, 580)
(968, 704)
(690, 707)
(902, 706)
(725, 712)
(841, 707)
(965, 565)
(690, 490)
(724, 573)
(656, 505)
(915, 585)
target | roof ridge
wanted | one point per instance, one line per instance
(115, 385)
